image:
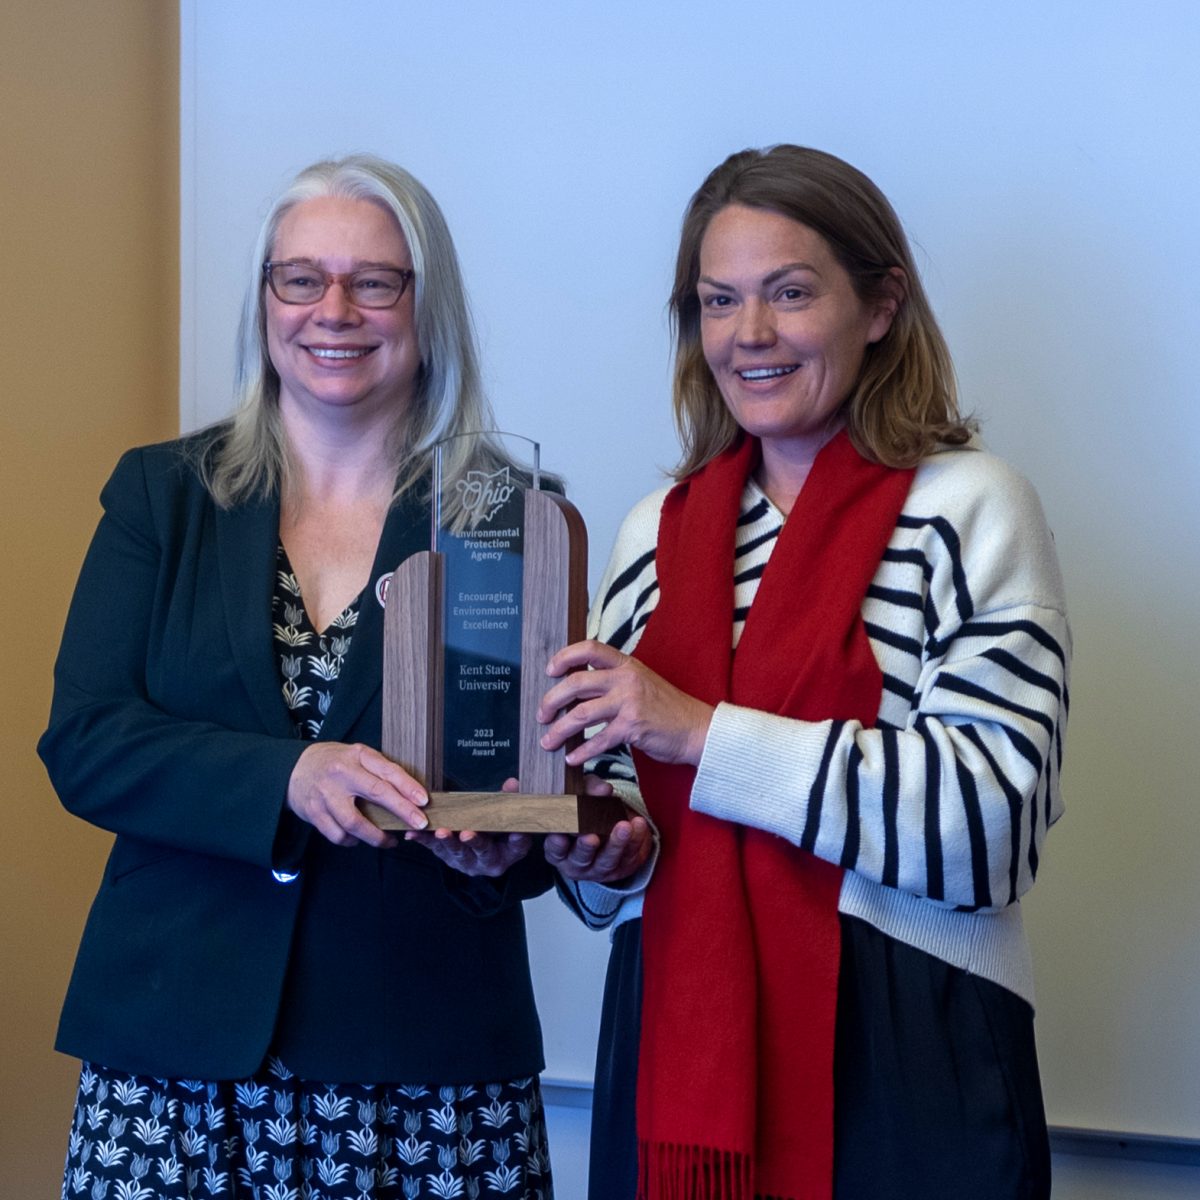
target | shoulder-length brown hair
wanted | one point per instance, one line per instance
(904, 403)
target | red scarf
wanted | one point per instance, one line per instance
(741, 938)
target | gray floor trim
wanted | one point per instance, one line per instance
(1064, 1139)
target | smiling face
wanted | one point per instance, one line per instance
(782, 328)
(332, 356)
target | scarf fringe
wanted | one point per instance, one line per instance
(674, 1172)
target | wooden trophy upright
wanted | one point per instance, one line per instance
(469, 628)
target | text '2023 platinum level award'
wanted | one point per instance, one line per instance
(468, 630)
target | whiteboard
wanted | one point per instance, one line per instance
(1043, 157)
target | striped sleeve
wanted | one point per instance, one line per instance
(950, 795)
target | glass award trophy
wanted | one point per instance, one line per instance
(469, 627)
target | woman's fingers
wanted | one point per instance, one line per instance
(578, 688)
(631, 703)
(498, 852)
(329, 778)
(390, 786)
(572, 855)
(587, 858)
(380, 765)
(475, 853)
(604, 739)
(626, 850)
(580, 655)
(600, 711)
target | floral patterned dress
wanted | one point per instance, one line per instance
(277, 1137)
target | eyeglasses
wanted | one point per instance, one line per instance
(304, 283)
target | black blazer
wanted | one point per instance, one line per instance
(168, 727)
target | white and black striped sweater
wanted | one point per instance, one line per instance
(938, 813)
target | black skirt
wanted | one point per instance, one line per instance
(936, 1086)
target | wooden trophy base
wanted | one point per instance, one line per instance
(510, 812)
(553, 614)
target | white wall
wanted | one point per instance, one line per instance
(1043, 156)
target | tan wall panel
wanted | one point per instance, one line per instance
(88, 331)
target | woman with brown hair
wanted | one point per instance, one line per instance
(833, 657)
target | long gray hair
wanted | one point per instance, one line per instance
(251, 458)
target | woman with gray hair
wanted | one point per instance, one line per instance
(273, 996)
